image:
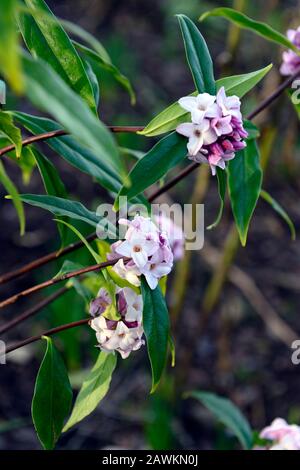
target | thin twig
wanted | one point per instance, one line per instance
(32, 311)
(58, 329)
(55, 280)
(62, 132)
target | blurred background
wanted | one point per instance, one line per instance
(234, 310)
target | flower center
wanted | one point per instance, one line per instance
(137, 249)
(197, 133)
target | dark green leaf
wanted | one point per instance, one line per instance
(156, 325)
(46, 38)
(244, 181)
(166, 154)
(94, 388)
(13, 134)
(53, 186)
(52, 397)
(279, 209)
(198, 56)
(50, 93)
(15, 196)
(228, 414)
(252, 129)
(258, 27)
(222, 185)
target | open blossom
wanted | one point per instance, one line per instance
(124, 335)
(174, 233)
(149, 250)
(283, 436)
(216, 131)
(290, 60)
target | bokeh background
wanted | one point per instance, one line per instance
(234, 310)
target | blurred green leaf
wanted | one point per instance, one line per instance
(50, 93)
(67, 267)
(94, 81)
(46, 38)
(252, 129)
(15, 196)
(10, 61)
(12, 132)
(73, 152)
(279, 209)
(258, 27)
(244, 182)
(166, 154)
(226, 412)
(52, 397)
(93, 389)
(174, 115)
(2, 92)
(222, 185)
(53, 186)
(156, 325)
(198, 56)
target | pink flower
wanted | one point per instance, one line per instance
(174, 233)
(291, 60)
(200, 106)
(230, 105)
(284, 436)
(198, 134)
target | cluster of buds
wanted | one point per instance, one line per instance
(291, 60)
(283, 436)
(124, 335)
(216, 131)
(149, 249)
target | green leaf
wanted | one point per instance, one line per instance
(244, 181)
(252, 129)
(94, 388)
(52, 397)
(198, 56)
(74, 153)
(156, 325)
(13, 134)
(2, 92)
(94, 81)
(45, 38)
(26, 162)
(67, 267)
(166, 154)
(279, 209)
(174, 115)
(10, 62)
(226, 412)
(50, 93)
(222, 185)
(97, 61)
(15, 196)
(258, 27)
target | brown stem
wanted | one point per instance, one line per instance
(55, 280)
(32, 311)
(61, 132)
(32, 339)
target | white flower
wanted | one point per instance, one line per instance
(198, 134)
(129, 272)
(200, 106)
(134, 305)
(155, 269)
(174, 234)
(230, 105)
(284, 436)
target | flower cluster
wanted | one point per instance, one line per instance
(216, 131)
(149, 251)
(124, 335)
(284, 436)
(290, 60)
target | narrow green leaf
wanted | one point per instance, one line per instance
(53, 186)
(258, 27)
(73, 152)
(12, 132)
(174, 115)
(279, 209)
(52, 397)
(226, 412)
(15, 196)
(244, 182)
(156, 325)
(222, 185)
(46, 38)
(166, 154)
(198, 56)
(10, 62)
(94, 81)
(97, 61)
(94, 388)
(50, 93)
(67, 267)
